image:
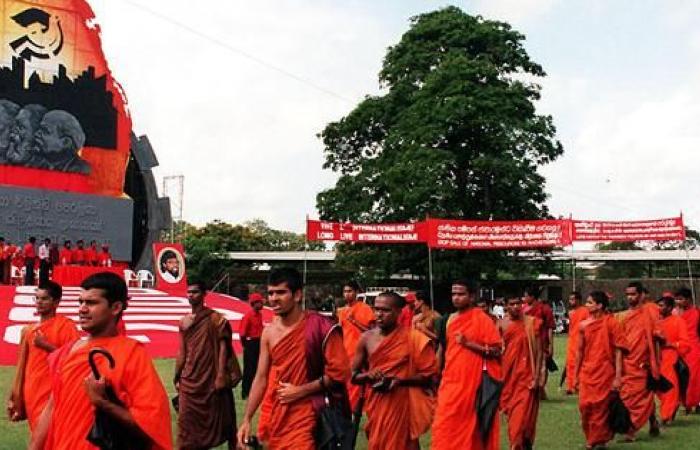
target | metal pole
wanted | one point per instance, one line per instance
(430, 276)
(690, 270)
(306, 250)
(573, 268)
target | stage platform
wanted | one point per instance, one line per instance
(152, 317)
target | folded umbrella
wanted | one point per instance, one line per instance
(683, 372)
(619, 419)
(551, 364)
(107, 433)
(487, 399)
(660, 384)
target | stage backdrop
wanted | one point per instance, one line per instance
(64, 124)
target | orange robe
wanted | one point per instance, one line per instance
(403, 353)
(638, 326)
(675, 345)
(653, 310)
(596, 375)
(33, 372)
(291, 426)
(348, 318)
(575, 317)
(456, 425)
(691, 317)
(522, 361)
(134, 380)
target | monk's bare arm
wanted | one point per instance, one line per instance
(617, 383)
(97, 394)
(42, 428)
(360, 362)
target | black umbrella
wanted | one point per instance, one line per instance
(562, 380)
(107, 433)
(683, 372)
(487, 398)
(660, 384)
(619, 419)
(551, 364)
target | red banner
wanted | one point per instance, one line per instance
(497, 235)
(384, 233)
(169, 267)
(627, 231)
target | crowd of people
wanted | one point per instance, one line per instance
(400, 364)
(42, 258)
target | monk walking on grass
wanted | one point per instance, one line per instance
(355, 318)
(473, 346)
(301, 359)
(397, 365)
(522, 377)
(601, 344)
(206, 371)
(639, 363)
(673, 340)
(691, 316)
(537, 308)
(577, 313)
(76, 394)
(31, 390)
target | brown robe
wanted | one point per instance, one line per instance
(207, 417)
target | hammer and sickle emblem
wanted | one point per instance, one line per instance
(44, 37)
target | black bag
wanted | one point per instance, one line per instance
(107, 433)
(661, 385)
(619, 419)
(334, 429)
(487, 399)
(683, 372)
(551, 364)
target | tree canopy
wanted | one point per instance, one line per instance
(455, 133)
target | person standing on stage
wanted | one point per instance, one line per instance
(522, 361)
(76, 394)
(639, 363)
(301, 358)
(104, 258)
(79, 253)
(4, 278)
(44, 261)
(472, 349)
(355, 318)
(577, 313)
(66, 254)
(250, 331)
(691, 316)
(206, 371)
(30, 391)
(29, 253)
(91, 254)
(537, 308)
(672, 337)
(398, 365)
(425, 318)
(598, 370)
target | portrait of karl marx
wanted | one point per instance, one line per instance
(27, 122)
(57, 142)
(8, 111)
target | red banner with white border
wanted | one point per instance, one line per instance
(377, 233)
(670, 229)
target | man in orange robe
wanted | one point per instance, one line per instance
(31, 390)
(691, 316)
(522, 362)
(537, 308)
(355, 318)
(577, 313)
(673, 340)
(76, 394)
(598, 371)
(399, 364)
(641, 361)
(473, 346)
(301, 358)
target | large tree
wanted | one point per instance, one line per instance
(454, 134)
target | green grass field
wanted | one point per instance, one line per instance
(558, 426)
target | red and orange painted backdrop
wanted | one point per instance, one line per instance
(51, 55)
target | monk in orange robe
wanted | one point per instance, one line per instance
(354, 319)
(76, 394)
(598, 370)
(577, 313)
(301, 358)
(31, 390)
(673, 340)
(473, 346)
(522, 364)
(641, 361)
(399, 364)
(691, 316)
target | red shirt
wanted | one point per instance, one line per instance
(104, 259)
(406, 316)
(543, 312)
(65, 256)
(251, 325)
(29, 251)
(79, 256)
(91, 256)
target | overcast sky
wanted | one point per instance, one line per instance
(232, 94)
